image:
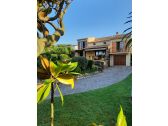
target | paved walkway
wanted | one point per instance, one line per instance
(107, 77)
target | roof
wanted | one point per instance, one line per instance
(109, 38)
(104, 47)
(102, 39)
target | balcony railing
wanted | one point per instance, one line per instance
(118, 50)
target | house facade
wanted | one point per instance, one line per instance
(110, 50)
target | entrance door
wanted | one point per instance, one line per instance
(119, 59)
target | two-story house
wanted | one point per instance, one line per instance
(110, 49)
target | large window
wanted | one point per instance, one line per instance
(82, 44)
(101, 53)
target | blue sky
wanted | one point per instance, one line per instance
(94, 18)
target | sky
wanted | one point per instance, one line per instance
(94, 18)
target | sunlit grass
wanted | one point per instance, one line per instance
(100, 106)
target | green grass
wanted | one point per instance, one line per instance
(100, 106)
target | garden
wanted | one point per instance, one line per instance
(57, 65)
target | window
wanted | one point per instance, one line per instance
(120, 46)
(82, 44)
(101, 53)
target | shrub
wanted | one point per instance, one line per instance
(78, 70)
(90, 64)
(82, 62)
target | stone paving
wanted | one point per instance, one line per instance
(108, 77)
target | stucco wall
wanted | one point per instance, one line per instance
(111, 60)
(91, 54)
(128, 59)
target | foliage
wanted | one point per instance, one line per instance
(100, 106)
(54, 74)
(44, 17)
(60, 73)
(59, 52)
(90, 64)
(128, 32)
(121, 119)
(78, 70)
(82, 62)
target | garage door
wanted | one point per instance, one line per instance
(119, 59)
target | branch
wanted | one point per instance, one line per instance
(58, 13)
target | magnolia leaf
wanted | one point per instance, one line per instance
(40, 92)
(43, 93)
(48, 81)
(46, 93)
(45, 63)
(39, 86)
(72, 66)
(42, 74)
(121, 119)
(62, 98)
(75, 73)
(40, 45)
(66, 79)
(54, 69)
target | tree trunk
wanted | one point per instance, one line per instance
(52, 104)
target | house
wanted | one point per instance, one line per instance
(110, 50)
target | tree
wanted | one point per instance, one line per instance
(53, 75)
(45, 8)
(50, 73)
(128, 32)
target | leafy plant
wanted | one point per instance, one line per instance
(121, 119)
(90, 64)
(62, 73)
(82, 62)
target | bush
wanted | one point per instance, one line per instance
(82, 62)
(90, 64)
(77, 69)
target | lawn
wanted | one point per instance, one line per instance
(100, 106)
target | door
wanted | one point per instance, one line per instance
(119, 59)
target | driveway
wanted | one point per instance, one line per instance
(108, 77)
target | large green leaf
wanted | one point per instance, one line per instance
(40, 45)
(66, 79)
(54, 69)
(62, 98)
(72, 66)
(43, 93)
(121, 119)
(40, 93)
(48, 81)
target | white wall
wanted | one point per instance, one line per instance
(128, 59)
(111, 60)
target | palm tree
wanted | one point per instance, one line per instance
(128, 32)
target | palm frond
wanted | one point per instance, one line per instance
(129, 43)
(127, 29)
(129, 17)
(128, 21)
(126, 35)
